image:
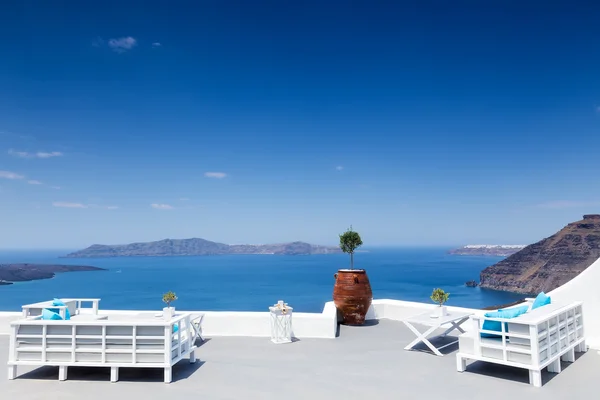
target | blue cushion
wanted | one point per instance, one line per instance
(506, 313)
(175, 328)
(50, 315)
(59, 302)
(542, 299)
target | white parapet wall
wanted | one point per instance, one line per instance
(237, 323)
(305, 325)
(5, 319)
(584, 288)
(399, 310)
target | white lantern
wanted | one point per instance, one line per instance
(281, 323)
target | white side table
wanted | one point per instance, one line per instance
(454, 319)
(281, 324)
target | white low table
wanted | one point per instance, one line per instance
(454, 319)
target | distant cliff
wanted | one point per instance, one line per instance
(500, 250)
(30, 272)
(549, 263)
(197, 247)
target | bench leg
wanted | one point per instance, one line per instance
(461, 364)
(554, 366)
(535, 378)
(62, 373)
(114, 374)
(12, 372)
(581, 347)
(168, 375)
(569, 356)
(192, 357)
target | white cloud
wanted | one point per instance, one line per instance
(216, 175)
(562, 204)
(39, 154)
(339, 168)
(10, 175)
(156, 44)
(34, 182)
(42, 154)
(65, 204)
(22, 154)
(102, 207)
(161, 206)
(122, 44)
(68, 205)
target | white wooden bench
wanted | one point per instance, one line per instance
(75, 307)
(114, 341)
(533, 341)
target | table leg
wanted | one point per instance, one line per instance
(421, 337)
(455, 325)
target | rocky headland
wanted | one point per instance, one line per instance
(197, 247)
(549, 263)
(499, 250)
(10, 273)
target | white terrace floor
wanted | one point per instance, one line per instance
(364, 362)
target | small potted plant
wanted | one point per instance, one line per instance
(352, 293)
(169, 311)
(440, 297)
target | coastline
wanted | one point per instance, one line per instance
(26, 272)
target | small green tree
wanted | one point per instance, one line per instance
(349, 242)
(169, 297)
(439, 296)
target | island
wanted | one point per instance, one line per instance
(498, 250)
(197, 247)
(549, 263)
(10, 273)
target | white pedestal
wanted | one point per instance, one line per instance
(168, 313)
(281, 325)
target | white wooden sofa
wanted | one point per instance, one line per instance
(115, 341)
(75, 307)
(538, 339)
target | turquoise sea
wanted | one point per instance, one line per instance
(253, 282)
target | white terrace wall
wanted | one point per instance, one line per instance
(305, 325)
(584, 287)
(5, 319)
(238, 323)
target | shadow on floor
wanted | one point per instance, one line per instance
(199, 343)
(368, 323)
(181, 371)
(513, 374)
(438, 342)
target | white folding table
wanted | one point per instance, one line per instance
(453, 319)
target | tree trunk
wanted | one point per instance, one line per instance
(352, 260)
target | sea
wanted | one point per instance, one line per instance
(253, 282)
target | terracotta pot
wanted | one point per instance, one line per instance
(352, 295)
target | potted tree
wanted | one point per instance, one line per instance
(169, 311)
(352, 293)
(440, 297)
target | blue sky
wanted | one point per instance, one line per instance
(419, 123)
